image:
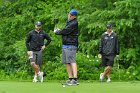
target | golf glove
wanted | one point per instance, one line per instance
(56, 30)
(99, 56)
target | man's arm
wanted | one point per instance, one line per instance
(46, 36)
(101, 45)
(28, 38)
(67, 30)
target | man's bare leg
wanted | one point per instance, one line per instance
(108, 74)
(69, 70)
(36, 69)
(105, 73)
(74, 69)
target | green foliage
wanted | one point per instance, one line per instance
(88, 66)
(18, 18)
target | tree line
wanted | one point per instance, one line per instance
(18, 18)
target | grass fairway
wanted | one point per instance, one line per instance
(54, 87)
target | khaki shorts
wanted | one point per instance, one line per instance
(68, 56)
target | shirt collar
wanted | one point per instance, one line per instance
(37, 31)
(108, 33)
(71, 20)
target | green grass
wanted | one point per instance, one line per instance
(55, 87)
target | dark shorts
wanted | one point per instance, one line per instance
(68, 56)
(37, 57)
(107, 60)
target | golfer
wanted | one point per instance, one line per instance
(108, 49)
(69, 46)
(35, 45)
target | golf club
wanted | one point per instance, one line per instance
(55, 23)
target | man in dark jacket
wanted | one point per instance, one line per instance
(108, 49)
(35, 45)
(69, 46)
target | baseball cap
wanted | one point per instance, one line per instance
(73, 12)
(38, 23)
(109, 26)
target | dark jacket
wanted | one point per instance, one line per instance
(35, 40)
(109, 44)
(69, 33)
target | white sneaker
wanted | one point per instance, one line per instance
(41, 76)
(35, 80)
(101, 77)
(108, 80)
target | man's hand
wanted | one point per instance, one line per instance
(56, 30)
(43, 47)
(99, 56)
(30, 54)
